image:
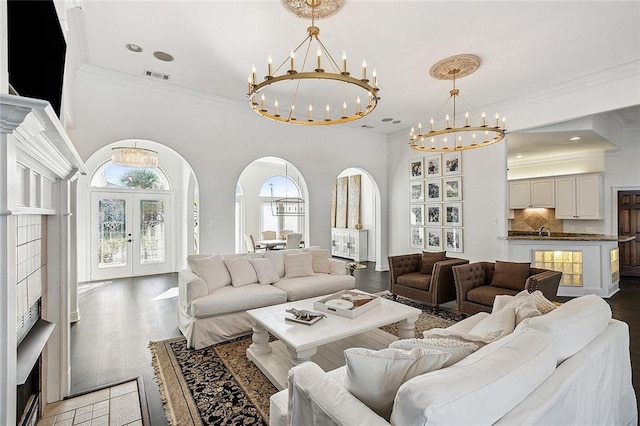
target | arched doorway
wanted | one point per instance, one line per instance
(271, 195)
(369, 211)
(130, 222)
(157, 209)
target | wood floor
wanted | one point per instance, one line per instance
(118, 319)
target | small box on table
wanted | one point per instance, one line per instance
(347, 303)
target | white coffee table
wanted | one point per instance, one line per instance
(324, 341)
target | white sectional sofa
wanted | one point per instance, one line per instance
(570, 366)
(216, 290)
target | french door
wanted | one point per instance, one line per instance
(130, 234)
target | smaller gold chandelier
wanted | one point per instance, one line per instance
(453, 137)
(327, 96)
(134, 157)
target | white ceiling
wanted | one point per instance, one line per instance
(524, 46)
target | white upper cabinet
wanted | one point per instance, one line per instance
(531, 193)
(579, 197)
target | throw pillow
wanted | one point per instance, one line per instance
(265, 271)
(320, 261)
(456, 348)
(375, 376)
(241, 270)
(211, 269)
(429, 259)
(298, 265)
(511, 275)
(496, 325)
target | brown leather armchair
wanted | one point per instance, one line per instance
(476, 287)
(434, 288)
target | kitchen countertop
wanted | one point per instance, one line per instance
(557, 236)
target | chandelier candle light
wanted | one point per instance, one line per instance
(328, 89)
(453, 137)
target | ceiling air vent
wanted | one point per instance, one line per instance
(157, 75)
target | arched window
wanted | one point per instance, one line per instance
(279, 195)
(279, 187)
(114, 176)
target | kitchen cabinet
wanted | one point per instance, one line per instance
(532, 193)
(349, 243)
(579, 196)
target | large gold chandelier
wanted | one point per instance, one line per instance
(455, 135)
(312, 91)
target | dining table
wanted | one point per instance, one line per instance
(273, 244)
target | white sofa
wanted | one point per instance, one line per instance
(570, 366)
(216, 290)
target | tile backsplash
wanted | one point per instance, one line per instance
(531, 220)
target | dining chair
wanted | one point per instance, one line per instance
(284, 232)
(252, 247)
(268, 235)
(293, 240)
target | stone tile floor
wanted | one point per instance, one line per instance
(118, 405)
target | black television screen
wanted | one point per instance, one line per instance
(37, 50)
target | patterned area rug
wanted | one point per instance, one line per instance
(218, 385)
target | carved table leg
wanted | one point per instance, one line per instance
(298, 357)
(260, 340)
(406, 328)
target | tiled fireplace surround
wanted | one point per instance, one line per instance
(31, 262)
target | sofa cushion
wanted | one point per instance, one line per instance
(458, 350)
(320, 261)
(415, 280)
(277, 258)
(497, 325)
(241, 270)
(375, 376)
(234, 299)
(316, 285)
(484, 386)
(511, 275)
(298, 264)
(573, 324)
(265, 271)
(484, 295)
(211, 269)
(429, 259)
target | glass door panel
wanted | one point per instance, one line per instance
(130, 234)
(112, 232)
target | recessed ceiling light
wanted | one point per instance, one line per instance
(575, 138)
(519, 156)
(367, 126)
(162, 56)
(134, 47)
(387, 119)
(396, 121)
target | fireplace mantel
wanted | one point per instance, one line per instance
(38, 170)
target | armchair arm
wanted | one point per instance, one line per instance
(547, 282)
(315, 399)
(442, 280)
(190, 287)
(403, 264)
(467, 277)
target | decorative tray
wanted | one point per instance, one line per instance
(347, 303)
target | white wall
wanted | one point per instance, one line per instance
(219, 138)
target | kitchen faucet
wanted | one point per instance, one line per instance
(546, 230)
